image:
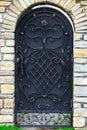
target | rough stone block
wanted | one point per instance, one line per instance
(80, 99)
(80, 91)
(6, 118)
(1, 42)
(78, 122)
(8, 57)
(7, 89)
(8, 103)
(1, 103)
(80, 53)
(10, 42)
(81, 68)
(82, 112)
(80, 81)
(5, 3)
(8, 35)
(7, 111)
(7, 49)
(77, 37)
(85, 37)
(7, 65)
(2, 9)
(7, 79)
(18, 5)
(14, 9)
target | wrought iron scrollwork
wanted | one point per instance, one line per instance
(44, 69)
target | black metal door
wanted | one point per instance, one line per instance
(44, 69)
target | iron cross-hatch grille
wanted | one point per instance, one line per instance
(44, 69)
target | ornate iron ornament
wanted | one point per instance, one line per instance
(44, 69)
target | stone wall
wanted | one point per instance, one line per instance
(10, 11)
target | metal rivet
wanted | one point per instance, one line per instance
(54, 14)
(66, 33)
(22, 33)
(34, 14)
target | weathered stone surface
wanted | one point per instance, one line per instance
(8, 103)
(79, 16)
(76, 7)
(78, 122)
(0, 57)
(14, 9)
(1, 103)
(6, 118)
(80, 53)
(6, 73)
(18, 5)
(7, 111)
(10, 42)
(7, 49)
(81, 24)
(80, 68)
(67, 3)
(28, 3)
(80, 99)
(77, 105)
(12, 13)
(8, 27)
(78, 11)
(81, 28)
(7, 65)
(9, 17)
(85, 37)
(1, 18)
(83, 2)
(80, 81)
(8, 35)
(4, 96)
(80, 20)
(80, 91)
(80, 74)
(23, 4)
(2, 9)
(85, 105)
(8, 57)
(7, 79)
(1, 42)
(77, 37)
(82, 112)
(4, 3)
(80, 60)
(70, 6)
(9, 23)
(7, 89)
(80, 44)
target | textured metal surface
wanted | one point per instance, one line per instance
(44, 69)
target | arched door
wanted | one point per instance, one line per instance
(44, 68)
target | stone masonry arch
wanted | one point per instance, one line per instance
(10, 12)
